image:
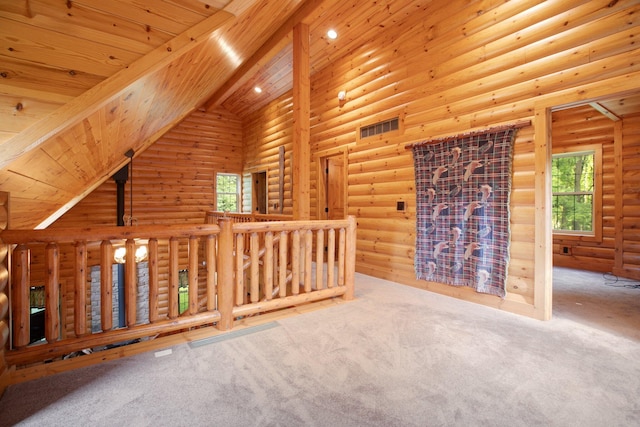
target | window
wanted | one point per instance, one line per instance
(227, 192)
(576, 192)
(183, 291)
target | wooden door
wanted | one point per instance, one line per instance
(259, 192)
(335, 188)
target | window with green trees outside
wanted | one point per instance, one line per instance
(227, 192)
(573, 188)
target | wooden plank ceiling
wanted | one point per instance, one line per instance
(82, 82)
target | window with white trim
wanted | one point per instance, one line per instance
(576, 191)
(227, 192)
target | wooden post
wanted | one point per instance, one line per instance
(106, 286)
(301, 123)
(618, 196)
(331, 255)
(342, 255)
(52, 293)
(543, 234)
(350, 258)
(174, 278)
(267, 265)
(80, 289)
(225, 274)
(130, 283)
(211, 272)
(193, 274)
(295, 263)
(308, 259)
(255, 265)
(319, 259)
(154, 280)
(21, 277)
(282, 272)
(240, 291)
(4, 293)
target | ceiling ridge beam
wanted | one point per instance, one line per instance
(280, 38)
(98, 96)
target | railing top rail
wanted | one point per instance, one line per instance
(79, 234)
(245, 227)
(246, 215)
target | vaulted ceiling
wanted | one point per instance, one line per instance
(84, 81)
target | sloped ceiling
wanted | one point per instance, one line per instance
(84, 81)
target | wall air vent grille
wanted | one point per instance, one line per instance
(379, 128)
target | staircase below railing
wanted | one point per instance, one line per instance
(284, 263)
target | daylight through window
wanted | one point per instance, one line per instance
(227, 192)
(573, 187)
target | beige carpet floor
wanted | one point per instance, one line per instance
(396, 356)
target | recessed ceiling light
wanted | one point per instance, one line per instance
(257, 89)
(332, 34)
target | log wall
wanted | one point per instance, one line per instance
(446, 70)
(264, 133)
(628, 217)
(173, 180)
(173, 183)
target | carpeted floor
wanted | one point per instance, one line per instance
(395, 356)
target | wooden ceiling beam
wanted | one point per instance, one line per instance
(95, 98)
(604, 111)
(266, 52)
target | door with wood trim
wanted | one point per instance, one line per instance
(335, 185)
(259, 192)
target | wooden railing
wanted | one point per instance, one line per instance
(213, 216)
(287, 263)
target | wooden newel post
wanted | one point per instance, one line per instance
(350, 258)
(21, 272)
(225, 274)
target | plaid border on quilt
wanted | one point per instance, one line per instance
(462, 200)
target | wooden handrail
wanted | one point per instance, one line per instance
(97, 234)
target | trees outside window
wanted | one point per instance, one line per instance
(576, 191)
(227, 192)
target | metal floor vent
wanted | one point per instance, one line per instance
(380, 127)
(234, 334)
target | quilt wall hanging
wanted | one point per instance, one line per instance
(463, 186)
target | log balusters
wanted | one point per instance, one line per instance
(193, 275)
(21, 278)
(106, 285)
(249, 268)
(290, 262)
(154, 280)
(80, 289)
(52, 293)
